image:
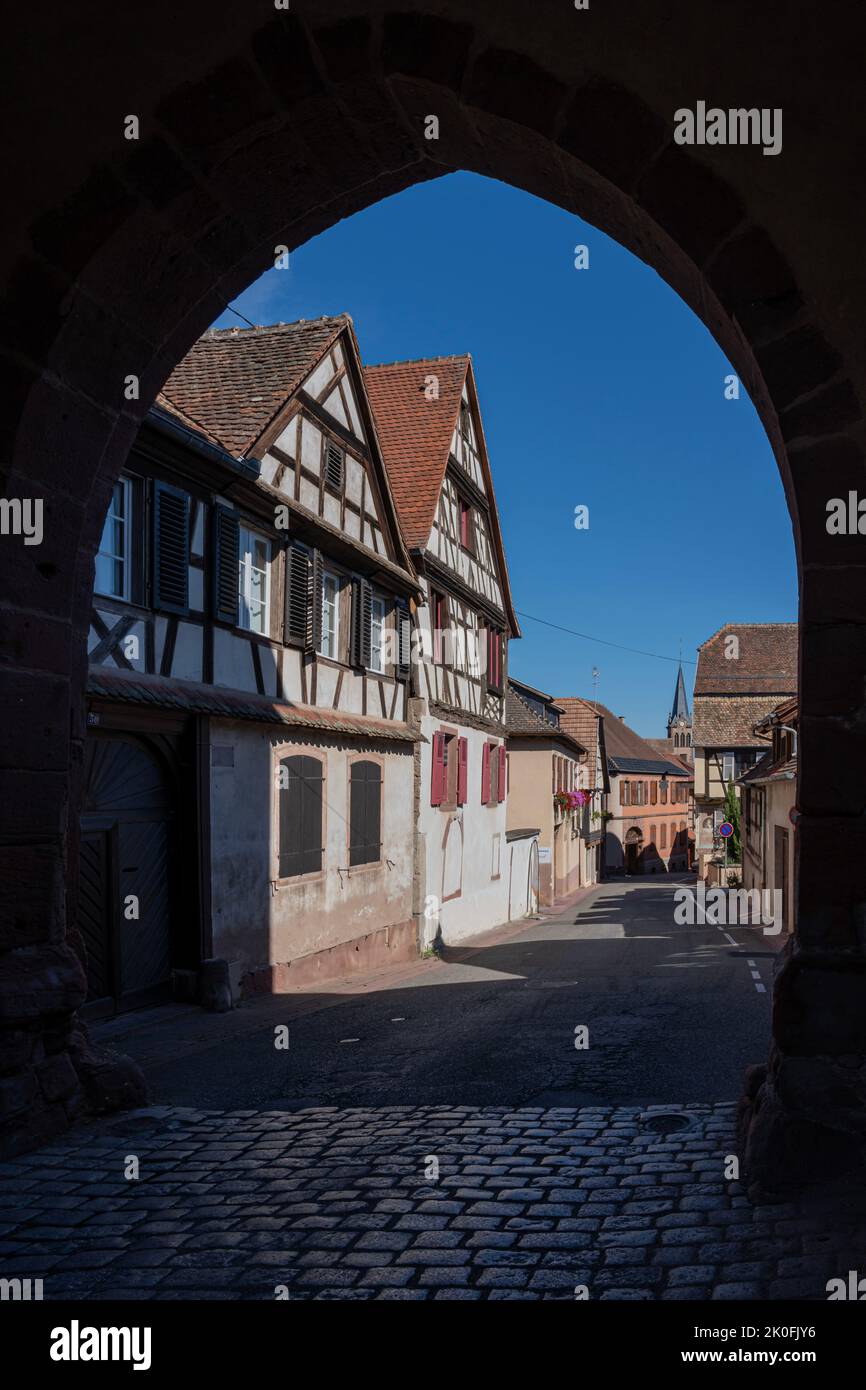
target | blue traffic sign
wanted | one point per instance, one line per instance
(726, 829)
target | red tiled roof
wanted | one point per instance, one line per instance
(234, 381)
(766, 661)
(133, 688)
(415, 433)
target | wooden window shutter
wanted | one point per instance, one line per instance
(653, 792)
(301, 799)
(314, 608)
(333, 466)
(485, 775)
(404, 640)
(362, 620)
(365, 812)
(462, 769)
(171, 549)
(225, 564)
(501, 786)
(438, 779)
(295, 623)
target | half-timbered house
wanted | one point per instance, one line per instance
(249, 770)
(470, 876)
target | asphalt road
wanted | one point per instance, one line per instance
(674, 1015)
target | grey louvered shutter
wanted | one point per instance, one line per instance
(314, 612)
(170, 549)
(333, 466)
(225, 564)
(362, 621)
(404, 640)
(295, 625)
(300, 816)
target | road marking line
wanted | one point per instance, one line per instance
(761, 989)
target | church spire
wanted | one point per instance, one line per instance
(681, 705)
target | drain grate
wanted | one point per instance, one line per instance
(666, 1124)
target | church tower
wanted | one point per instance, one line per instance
(680, 721)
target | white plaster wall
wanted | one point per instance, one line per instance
(258, 923)
(483, 900)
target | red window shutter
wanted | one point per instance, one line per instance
(437, 783)
(462, 764)
(485, 775)
(502, 772)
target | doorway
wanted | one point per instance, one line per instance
(126, 858)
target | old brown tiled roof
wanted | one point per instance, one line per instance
(766, 662)
(523, 721)
(579, 719)
(625, 747)
(728, 721)
(234, 381)
(134, 688)
(415, 433)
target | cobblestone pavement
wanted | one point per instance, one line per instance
(344, 1204)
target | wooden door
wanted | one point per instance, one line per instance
(125, 907)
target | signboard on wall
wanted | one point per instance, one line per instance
(544, 854)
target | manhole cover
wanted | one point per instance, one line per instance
(666, 1124)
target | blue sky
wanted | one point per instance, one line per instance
(598, 387)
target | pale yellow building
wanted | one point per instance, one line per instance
(546, 767)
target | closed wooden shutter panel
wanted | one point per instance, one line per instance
(295, 625)
(404, 640)
(485, 775)
(362, 620)
(333, 466)
(225, 564)
(365, 812)
(314, 611)
(501, 787)
(438, 778)
(462, 770)
(171, 549)
(300, 807)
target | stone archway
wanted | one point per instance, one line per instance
(260, 129)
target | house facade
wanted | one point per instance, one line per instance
(469, 876)
(549, 788)
(583, 721)
(744, 670)
(648, 829)
(769, 797)
(250, 763)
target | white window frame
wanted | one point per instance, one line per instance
(329, 643)
(246, 534)
(377, 602)
(125, 557)
(729, 758)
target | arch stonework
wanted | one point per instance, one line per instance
(261, 127)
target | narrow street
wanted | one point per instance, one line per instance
(432, 1133)
(673, 1013)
